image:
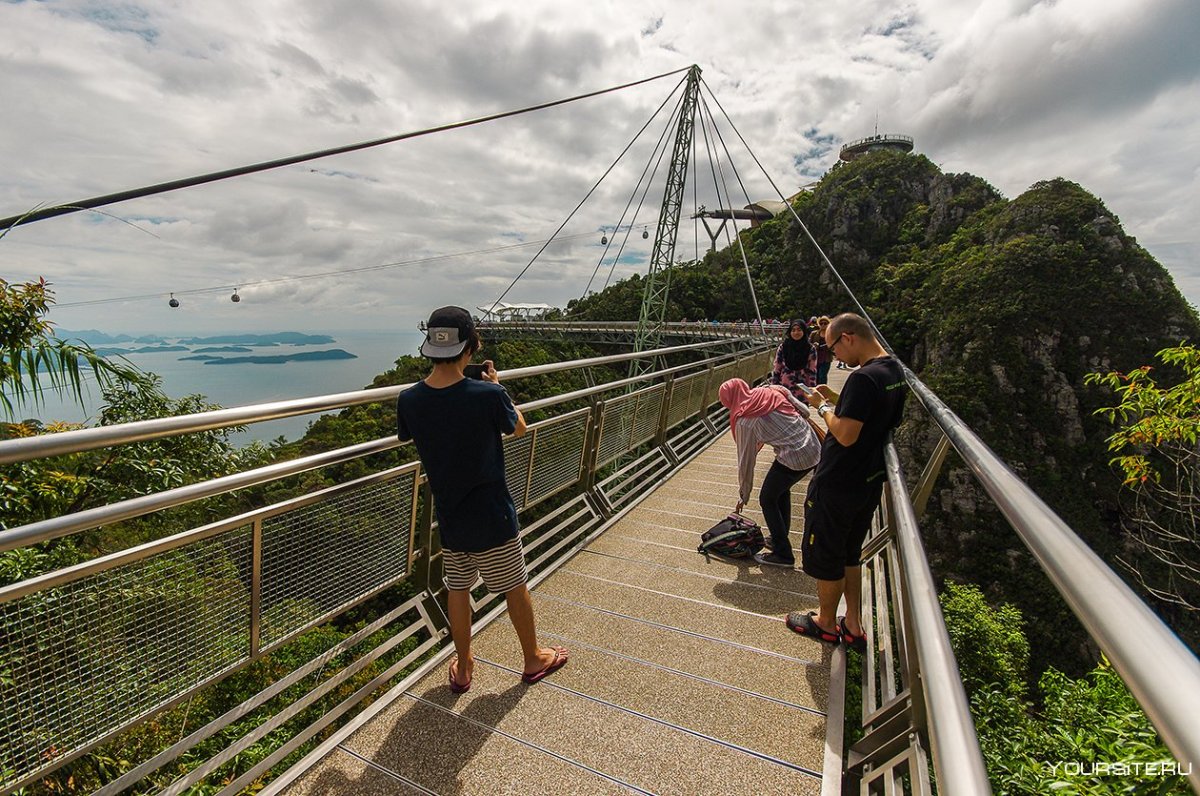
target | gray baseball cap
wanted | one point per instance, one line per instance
(447, 333)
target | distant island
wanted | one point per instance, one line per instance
(241, 349)
(277, 338)
(278, 359)
(200, 357)
(151, 349)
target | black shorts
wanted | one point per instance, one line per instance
(835, 525)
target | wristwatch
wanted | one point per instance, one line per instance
(821, 409)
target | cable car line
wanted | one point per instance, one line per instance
(298, 277)
(162, 187)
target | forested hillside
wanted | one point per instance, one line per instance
(1002, 307)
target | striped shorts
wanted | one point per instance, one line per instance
(503, 568)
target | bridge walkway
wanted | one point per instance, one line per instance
(682, 679)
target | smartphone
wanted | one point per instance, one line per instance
(805, 389)
(474, 371)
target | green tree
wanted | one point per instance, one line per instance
(1157, 454)
(1072, 741)
(33, 360)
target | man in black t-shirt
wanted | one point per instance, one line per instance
(845, 490)
(457, 424)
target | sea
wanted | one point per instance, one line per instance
(250, 383)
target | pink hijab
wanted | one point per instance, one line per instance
(741, 401)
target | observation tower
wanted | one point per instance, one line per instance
(899, 143)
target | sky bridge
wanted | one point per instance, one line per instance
(328, 583)
(683, 676)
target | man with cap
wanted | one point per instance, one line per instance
(457, 424)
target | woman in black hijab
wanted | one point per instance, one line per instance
(794, 360)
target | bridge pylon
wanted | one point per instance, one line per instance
(658, 280)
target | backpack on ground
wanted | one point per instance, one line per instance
(733, 537)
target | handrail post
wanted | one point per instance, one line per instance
(660, 436)
(255, 587)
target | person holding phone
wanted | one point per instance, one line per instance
(457, 424)
(848, 484)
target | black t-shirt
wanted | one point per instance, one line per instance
(874, 394)
(457, 431)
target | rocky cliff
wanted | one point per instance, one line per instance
(1001, 307)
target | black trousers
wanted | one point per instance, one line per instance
(775, 498)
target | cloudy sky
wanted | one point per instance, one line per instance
(100, 97)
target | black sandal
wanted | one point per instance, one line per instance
(856, 643)
(806, 625)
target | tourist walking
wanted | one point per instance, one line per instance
(457, 424)
(770, 416)
(848, 483)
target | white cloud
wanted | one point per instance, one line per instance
(101, 97)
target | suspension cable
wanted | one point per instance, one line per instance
(323, 275)
(588, 195)
(736, 234)
(121, 196)
(632, 194)
(671, 124)
(862, 310)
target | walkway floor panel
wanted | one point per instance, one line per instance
(649, 755)
(748, 593)
(683, 678)
(788, 679)
(752, 630)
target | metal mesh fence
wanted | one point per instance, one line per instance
(720, 374)
(629, 421)
(686, 396)
(647, 415)
(319, 557)
(558, 455)
(616, 423)
(80, 660)
(517, 451)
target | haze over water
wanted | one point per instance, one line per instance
(241, 384)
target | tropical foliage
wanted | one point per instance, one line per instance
(1082, 735)
(1157, 451)
(33, 360)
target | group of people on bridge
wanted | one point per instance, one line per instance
(847, 461)
(456, 409)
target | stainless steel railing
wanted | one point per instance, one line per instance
(96, 648)
(914, 704)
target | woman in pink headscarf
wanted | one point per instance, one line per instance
(771, 416)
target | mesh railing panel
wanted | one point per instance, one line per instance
(686, 395)
(647, 414)
(720, 374)
(319, 557)
(616, 427)
(80, 660)
(517, 451)
(558, 455)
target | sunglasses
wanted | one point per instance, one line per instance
(834, 344)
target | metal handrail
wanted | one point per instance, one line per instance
(1156, 666)
(19, 450)
(66, 524)
(953, 741)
